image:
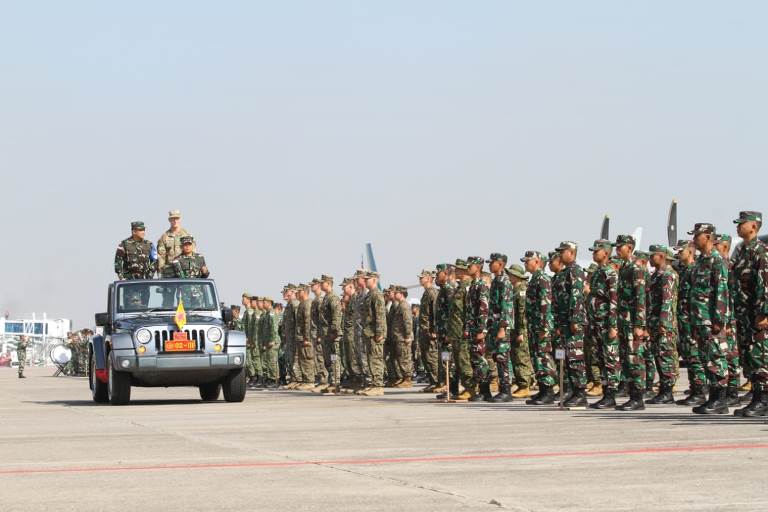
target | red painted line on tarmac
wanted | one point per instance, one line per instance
(395, 460)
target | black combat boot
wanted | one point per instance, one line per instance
(635, 402)
(479, 395)
(759, 404)
(697, 397)
(503, 395)
(485, 390)
(608, 401)
(545, 396)
(717, 403)
(577, 399)
(732, 395)
(663, 397)
(621, 391)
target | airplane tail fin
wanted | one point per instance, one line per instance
(605, 232)
(672, 224)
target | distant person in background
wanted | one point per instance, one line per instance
(21, 354)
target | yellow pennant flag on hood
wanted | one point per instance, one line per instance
(181, 316)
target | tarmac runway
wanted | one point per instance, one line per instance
(287, 450)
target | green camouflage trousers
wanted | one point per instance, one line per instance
(403, 364)
(481, 370)
(253, 361)
(334, 360)
(429, 358)
(607, 355)
(307, 364)
(575, 364)
(461, 361)
(650, 364)
(758, 355)
(715, 349)
(544, 362)
(634, 349)
(352, 357)
(592, 347)
(290, 358)
(521, 362)
(732, 356)
(663, 346)
(269, 363)
(375, 355)
(321, 371)
(691, 355)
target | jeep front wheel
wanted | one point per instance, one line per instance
(234, 386)
(118, 385)
(98, 388)
(210, 392)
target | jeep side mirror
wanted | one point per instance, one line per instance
(102, 319)
(226, 315)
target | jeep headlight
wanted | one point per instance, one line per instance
(215, 334)
(143, 336)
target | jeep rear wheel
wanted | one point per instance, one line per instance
(234, 386)
(210, 392)
(118, 385)
(98, 388)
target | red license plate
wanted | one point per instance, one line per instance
(180, 343)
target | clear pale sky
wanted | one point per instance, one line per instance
(290, 133)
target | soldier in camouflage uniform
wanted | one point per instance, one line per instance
(641, 259)
(135, 257)
(21, 354)
(189, 265)
(348, 323)
(246, 325)
(631, 311)
(170, 244)
(332, 331)
(602, 302)
(750, 270)
(374, 333)
(501, 324)
(446, 288)
(568, 295)
(709, 316)
(390, 359)
(402, 337)
(289, 335)
(236, 324)
(592, 345)
(541, 326)
(476, 329)
(358, 305)
(254, 337)
(456, 330)
(270, 342)
(723, 246)
(318, 329)
(428, 331)
(305, 348)
(661, 321)
(520, 353)
(697, 380)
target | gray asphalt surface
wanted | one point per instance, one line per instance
(284, 450)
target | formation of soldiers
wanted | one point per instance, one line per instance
(174, 255)
(613, 328)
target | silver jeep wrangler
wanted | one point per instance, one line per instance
(163, 333)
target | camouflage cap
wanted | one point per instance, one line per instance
(302, 287)
(703, 227)
(314, 281)
(174, 214)
(426, 273)
(371, 275)
(642, 255)
(567, 245)
(290, 286)
(497, 256)
(187, 240)
(138, 224)
(443, 267)
(475, 260)
(461, 264)
(361, 272)
(529, 255)
(682, 244)
(255, 297)
(662, 249)
(749, 216)
(326, 277)
(601, 244)
(553, 255)
(517, 271)
(246, 294)
(625, 240)
(268, 299)
(722, 237)
(346, 281)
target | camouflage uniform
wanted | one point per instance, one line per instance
(602, 311)
(374, 323)
(255, 336)
(189, 266)
(135, 259)
(168, 249)
(661, 324)
(521, 354)
(568, 295)
(333, 334)
(709, 305)
(541, 326)
(476, 322)
(348, 322)
(304, 346)
(442, 312)
(358, 348)
(270, 345)
(21, 354)
(501, 315)
(428, 335)
(402, 337)
(289, 339)
(317, 335)
(456, 333)
(690, 350)
(631, 311)
(592, 342)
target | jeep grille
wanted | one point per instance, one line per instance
(163, 335)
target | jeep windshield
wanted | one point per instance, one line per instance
(162, 296)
